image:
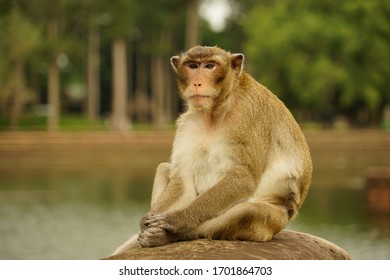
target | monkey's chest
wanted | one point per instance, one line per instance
(203, 164)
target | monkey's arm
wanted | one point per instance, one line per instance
(237, 185)
(162, 228)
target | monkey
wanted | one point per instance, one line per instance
(240, 167)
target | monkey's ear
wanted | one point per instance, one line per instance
(175, 62)
(237, 62)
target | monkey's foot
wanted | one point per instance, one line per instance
(155, 230)
(153, 236)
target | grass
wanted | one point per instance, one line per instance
(34, 122)
(69, 122)
(78, 122)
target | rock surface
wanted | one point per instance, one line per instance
(286, 245)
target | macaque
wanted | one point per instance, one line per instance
(240, 167)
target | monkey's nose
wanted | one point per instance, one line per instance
(197, 85)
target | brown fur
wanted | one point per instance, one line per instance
(240, 165)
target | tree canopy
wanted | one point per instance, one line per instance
(325, 59)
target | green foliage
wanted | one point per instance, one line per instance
(121, 16)
(322, 57)
(21, 36)
(19, 39)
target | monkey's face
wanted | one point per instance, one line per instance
(204, 74)
(202, 82)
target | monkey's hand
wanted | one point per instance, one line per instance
(159, 229)
(156, 230)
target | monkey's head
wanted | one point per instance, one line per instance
(206, 75)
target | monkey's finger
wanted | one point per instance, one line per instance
(162, 223)
(156, 220)
(145, 220)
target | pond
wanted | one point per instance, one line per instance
(85, 213)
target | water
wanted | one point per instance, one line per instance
(59, 214)
(341, 216)
(85, 213)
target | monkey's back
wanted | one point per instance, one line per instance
(273, 130)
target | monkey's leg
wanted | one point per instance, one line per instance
(252, 221)
(161, 180)
(156, 230)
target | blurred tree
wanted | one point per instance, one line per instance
(132, 35)
(323, 57)
(141, 101)
(94, 18)
(54, 50)
(19, 39)
(159, 79)
(53, 10)
(192, 24)
(161, 26)
(231, 36)
(122, 16)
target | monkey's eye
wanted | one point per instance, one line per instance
(210, 65)
(193, 65)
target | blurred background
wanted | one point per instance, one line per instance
(88, 102)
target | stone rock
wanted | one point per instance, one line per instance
(286, 245)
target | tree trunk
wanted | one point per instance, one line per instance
(17, 90)
(168, 91)
(53, 97)
(142, 102)
(53, 80)
(161, 80)
(119, 120)
(93, 75)
(192, 24)
(157, 71)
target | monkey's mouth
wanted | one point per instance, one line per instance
(196, 96)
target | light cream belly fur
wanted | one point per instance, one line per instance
(201, 160)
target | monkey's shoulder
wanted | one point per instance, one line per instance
(254, 99)
(258, 107)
